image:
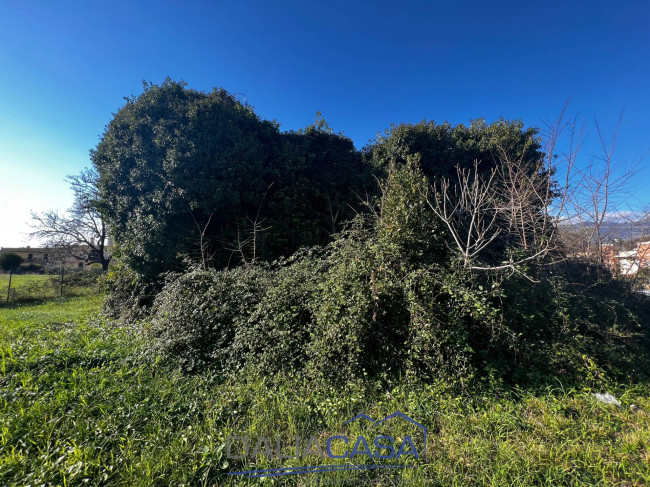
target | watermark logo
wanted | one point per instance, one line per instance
(364, 451)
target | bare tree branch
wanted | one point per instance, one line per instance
(81, 230)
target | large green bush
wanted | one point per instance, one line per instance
(387, 298)
(370, 303)
(130, 295)
(183, 172)
(274, 337)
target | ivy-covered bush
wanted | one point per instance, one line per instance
(363, 305)
(130, 294)
(387, 299)
(197, 313)
(276, 334)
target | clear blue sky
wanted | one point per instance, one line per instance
(66, 66)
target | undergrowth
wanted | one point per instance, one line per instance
(80, 407)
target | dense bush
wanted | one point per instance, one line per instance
(130, 295)
(30, 269)
(386, 299)
(81, 278)
(197, 313)
(442, 147)
(275, 335)
(176, 163)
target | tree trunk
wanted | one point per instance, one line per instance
(61, 282)
(9, 287)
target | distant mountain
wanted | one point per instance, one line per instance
(615, 230)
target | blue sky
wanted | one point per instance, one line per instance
(66, 66)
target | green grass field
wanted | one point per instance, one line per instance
(35, 287)
(21, 280)
(80, 406)
(25, 287)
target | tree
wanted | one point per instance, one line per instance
(10, 262)
(508, 207)
(601, 190)
(527, 205)
(173, 160)
(491, 186)
(443, 147)
(82, 231)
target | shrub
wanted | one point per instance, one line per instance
(276, 334)
(30, 269)
(81, 278)
(197, 313)
(130, 295)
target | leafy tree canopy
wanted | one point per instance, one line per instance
(184, 172)
(442, 147)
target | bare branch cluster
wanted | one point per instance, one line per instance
(599, 197)
(469, 210)
(81, 232)
(247, 236)
(536, 207)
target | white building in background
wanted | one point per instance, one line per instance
(628, 262)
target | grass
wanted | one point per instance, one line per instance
(27, 287)
(79, 405)
(35, 287)
(21, 281)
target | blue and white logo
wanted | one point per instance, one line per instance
(362, 452)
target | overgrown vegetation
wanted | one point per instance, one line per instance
(451, 267)
(278, 284)
(384, 300)
(78, 406)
